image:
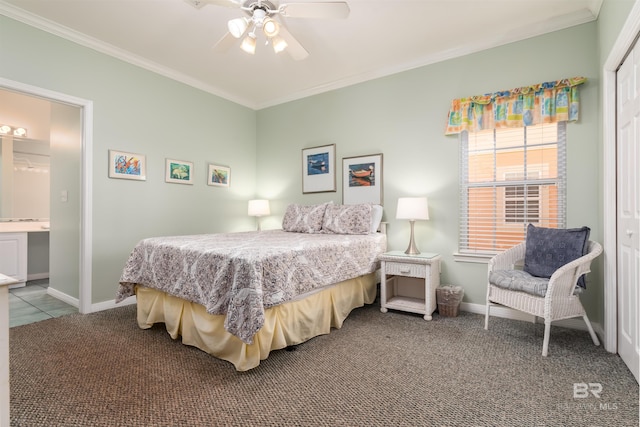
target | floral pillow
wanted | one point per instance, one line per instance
(347, 219)
(304, 219)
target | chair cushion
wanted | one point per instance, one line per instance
(518, 280)
(548, 249)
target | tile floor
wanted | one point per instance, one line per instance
(31, 303)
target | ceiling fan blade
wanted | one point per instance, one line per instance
(294, 48)
(336, 10)
(224, 43)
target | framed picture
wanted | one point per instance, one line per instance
(319, 169)
(362, 179)
(127, 165)
(179, 172)
(219, 176)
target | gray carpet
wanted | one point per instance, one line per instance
(391, 369)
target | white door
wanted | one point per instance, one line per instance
(628, 208)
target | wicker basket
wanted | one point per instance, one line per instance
(449, 298)
(448, 310)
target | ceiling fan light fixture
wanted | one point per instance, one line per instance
(249, 44)
(237, 27)
(279, 44)
(270, 27)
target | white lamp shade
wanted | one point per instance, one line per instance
(412, 208)
(249, 44)
(259, 207)
(279, 44)
(270, 27)
(237, 27)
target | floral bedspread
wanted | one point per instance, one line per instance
(242, 274)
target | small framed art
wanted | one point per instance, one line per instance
(219, 176)
(179, 172)
(319, 169)
(126, 165)
(362, 179)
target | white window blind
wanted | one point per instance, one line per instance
(508, 179)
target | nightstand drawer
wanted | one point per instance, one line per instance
(405, 269)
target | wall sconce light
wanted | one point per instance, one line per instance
(259, 208)
(13, 130)
(412, 208)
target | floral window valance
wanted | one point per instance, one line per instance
(547, 102)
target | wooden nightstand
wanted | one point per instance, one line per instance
(409, 282)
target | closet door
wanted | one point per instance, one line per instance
(628, 208)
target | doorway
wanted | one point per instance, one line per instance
(71, 118)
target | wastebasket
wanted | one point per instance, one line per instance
(448, 298)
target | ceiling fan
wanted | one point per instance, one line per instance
(263, 17)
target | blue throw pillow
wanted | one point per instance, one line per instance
(548, 249)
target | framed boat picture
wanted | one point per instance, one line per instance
(362, 179)
(319, 169)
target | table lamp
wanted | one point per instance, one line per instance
(259, 208)
(413, 209)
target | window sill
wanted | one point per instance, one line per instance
(473, 258)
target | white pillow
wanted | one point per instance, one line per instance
(376, 218)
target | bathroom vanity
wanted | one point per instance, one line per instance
(14, 247)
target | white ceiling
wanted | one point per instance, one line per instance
(379, 37)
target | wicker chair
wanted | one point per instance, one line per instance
(560, 300)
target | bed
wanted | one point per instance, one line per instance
(238, 296)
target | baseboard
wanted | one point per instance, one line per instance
(37, 276)
(101, 306)
(63, 297)
(509, 313)
(107, 305)
(497, 311)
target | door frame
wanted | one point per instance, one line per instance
(621, 47)
(86, 203)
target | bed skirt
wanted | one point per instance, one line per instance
(287, 324)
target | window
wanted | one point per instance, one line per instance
(521, 202)
(510, 177)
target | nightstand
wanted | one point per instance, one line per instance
(409, 282)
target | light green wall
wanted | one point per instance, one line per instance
(65, 213)
(403, 116)
(613, 15)
(142, 112)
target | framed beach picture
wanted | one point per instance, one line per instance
(179, 172)
(219, 176)
(362, 179)
(319, 169)
(127, 165)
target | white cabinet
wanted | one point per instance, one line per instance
(13, 255)
(5, 281)
(409, 282)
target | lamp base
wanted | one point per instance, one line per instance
(412, 249)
